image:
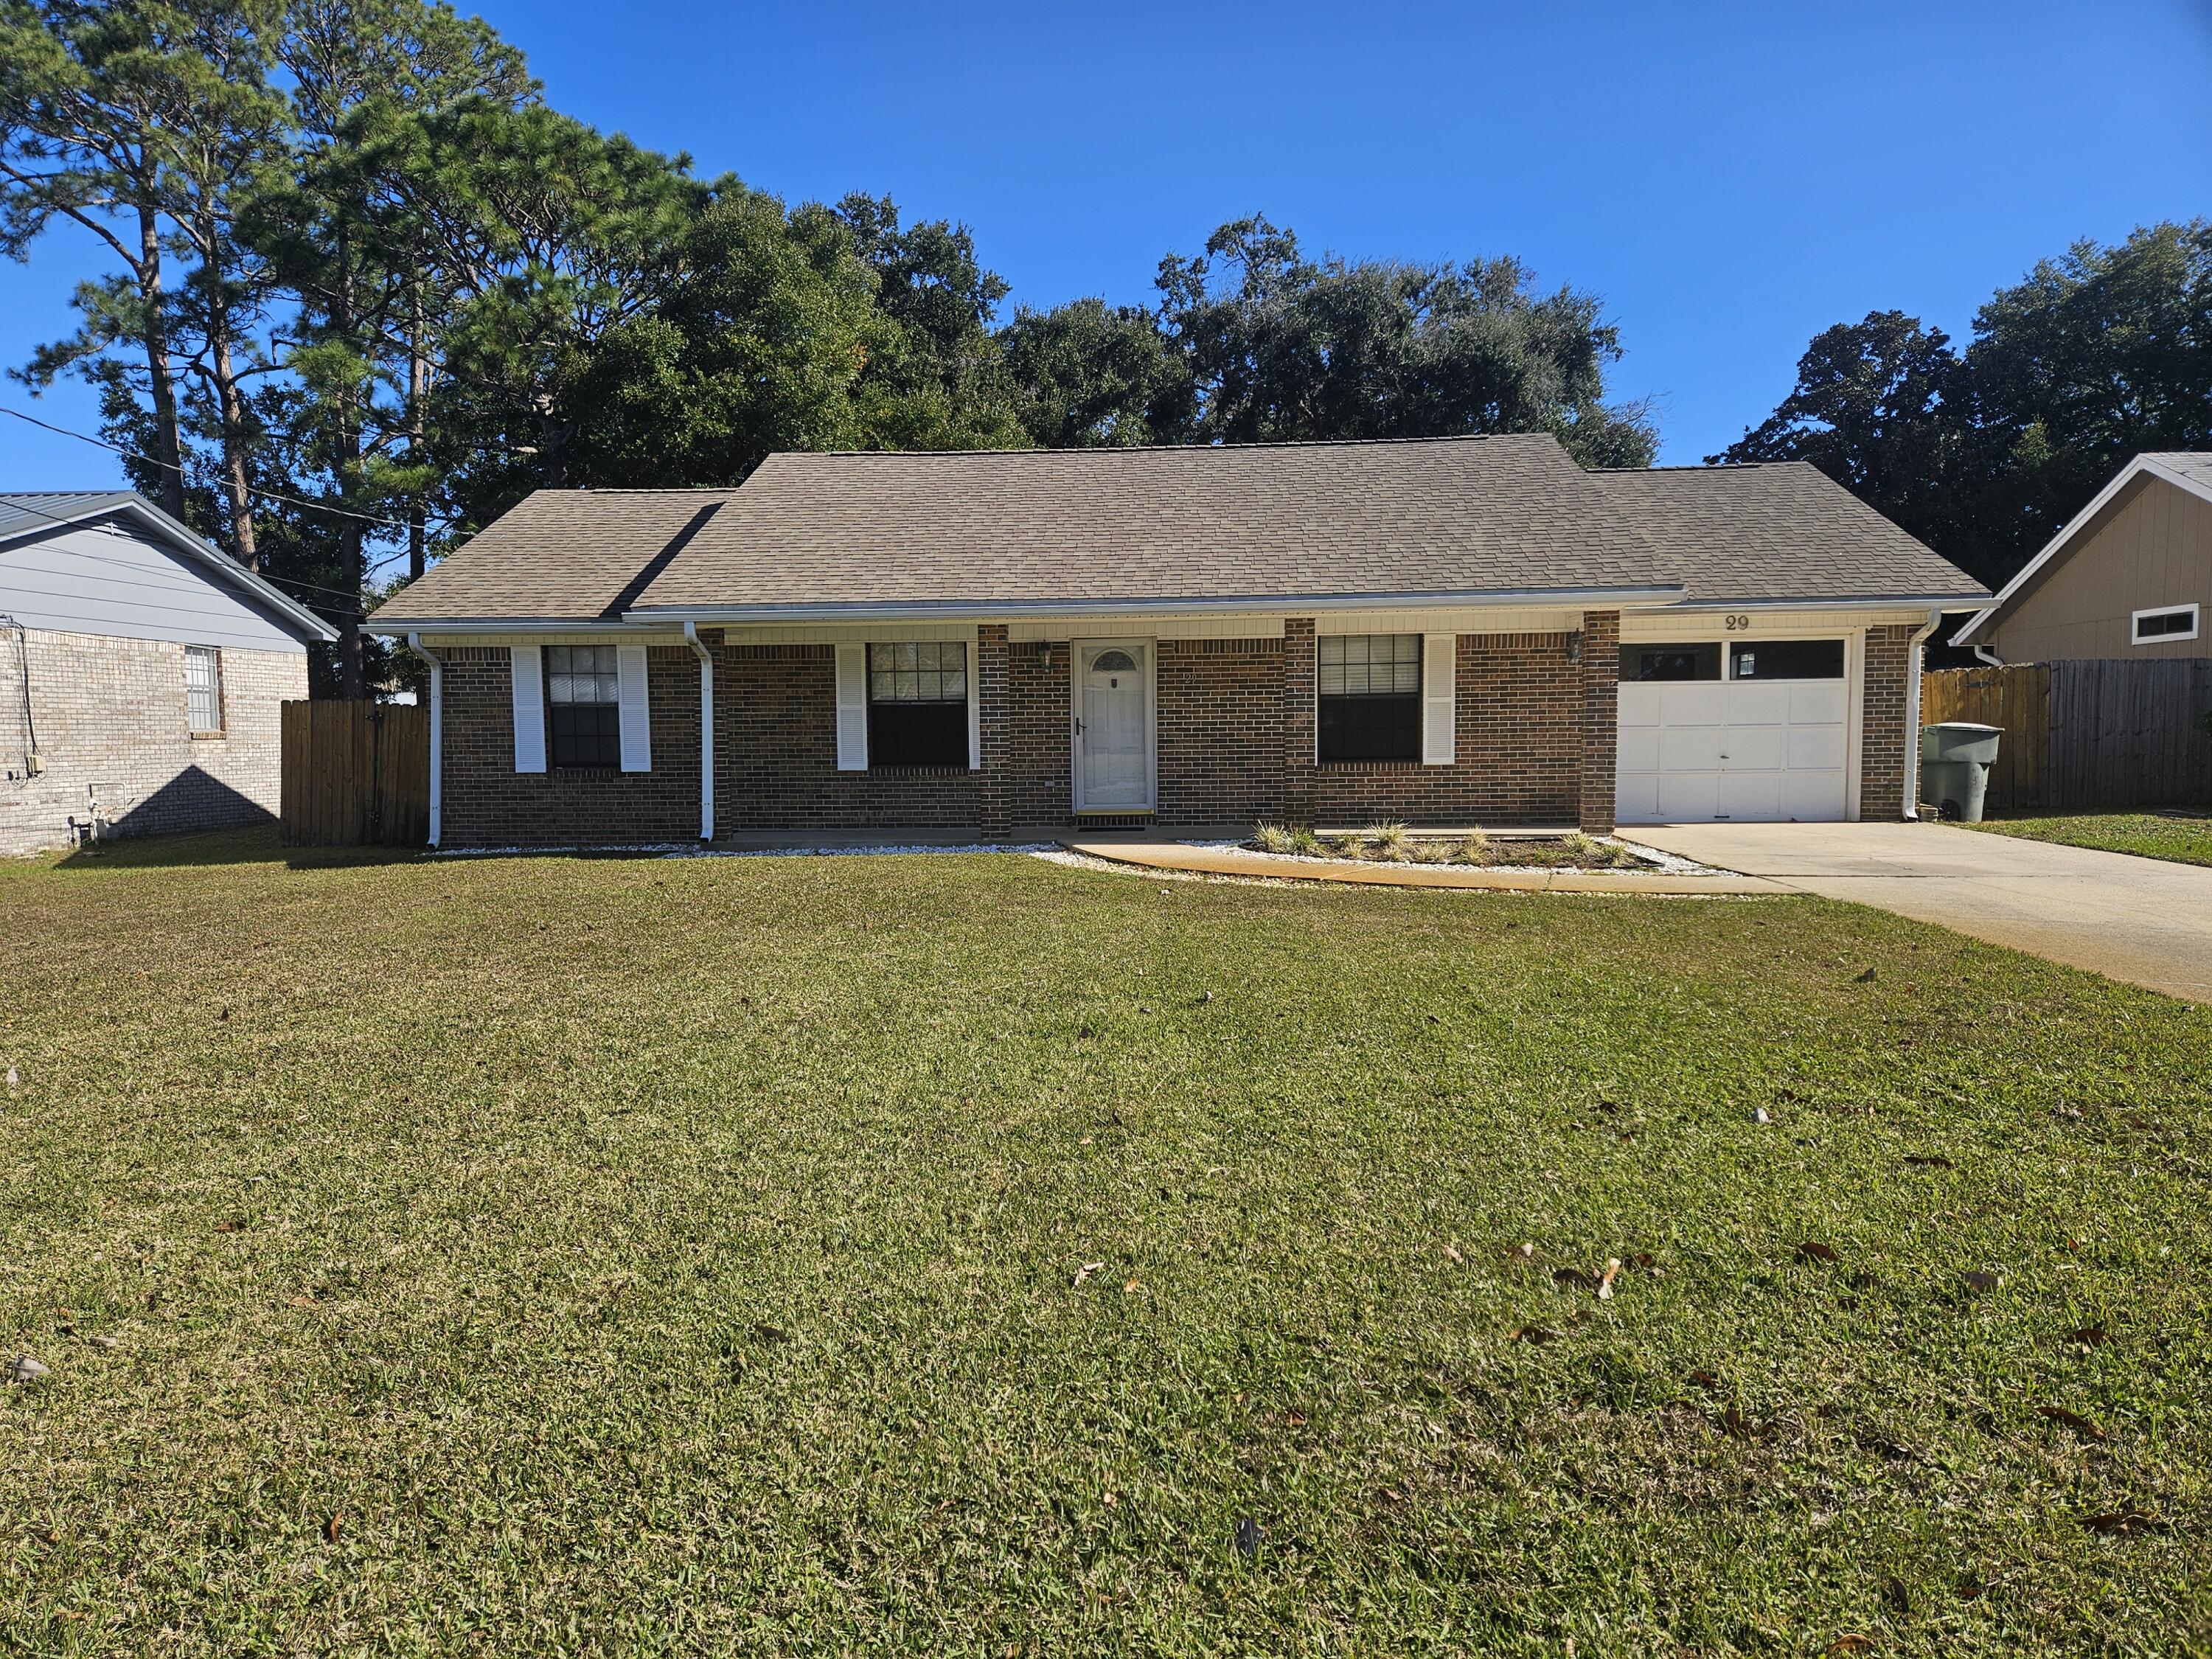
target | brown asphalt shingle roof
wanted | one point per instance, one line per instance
(1781, 530)
(1285, 522)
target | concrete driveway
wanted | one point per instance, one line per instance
(2127, 918)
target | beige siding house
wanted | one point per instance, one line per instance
(2130, 577)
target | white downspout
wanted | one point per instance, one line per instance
(1988, 656)
(706, 730)
(1912, 658)
(437, 737)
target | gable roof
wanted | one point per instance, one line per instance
(1778, 531)
(974, 534)
(2183, 469)
(34, 515)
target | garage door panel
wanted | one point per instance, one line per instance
(1815, 748)
(1689, 748)
(1814, 702)
(1639, 749)
(1750, 703)
(1689, 796)
(1637, 797)
(1812, 797)
(1754, 748)
(1639, 705)
(1749, 796)
(1694, 702)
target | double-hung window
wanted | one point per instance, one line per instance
(1370, 692)
(583, 705)
(203, 689)
(918, 703)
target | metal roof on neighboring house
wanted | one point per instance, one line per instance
(27, 514)
(1270, 525)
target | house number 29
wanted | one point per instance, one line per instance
(1737, 624)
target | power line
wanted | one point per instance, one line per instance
(147, 460)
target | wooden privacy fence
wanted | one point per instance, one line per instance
(2081, 736)
(2019, 700)
(356, 775)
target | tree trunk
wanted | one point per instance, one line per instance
(235, 444)
(418, 393)
(168, 448)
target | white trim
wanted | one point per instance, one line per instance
(1148, 653)
(975, 700)
(1854, 718)
(2058, 544)
(2135, 620)
(635, 721)
(1439, 699)
(526, 668)
(705, 729)
(661, 636)
(437, 737)
(1290, 604)
(852, 710)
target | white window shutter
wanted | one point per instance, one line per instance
(1438, 740)
(636, 714)
(852, 709)
(527, 665)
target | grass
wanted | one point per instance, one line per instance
(2147, 835)
(952, 1254)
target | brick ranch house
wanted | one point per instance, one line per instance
(142, 673)
(1451, 632)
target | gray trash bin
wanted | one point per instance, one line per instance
(1954, 767)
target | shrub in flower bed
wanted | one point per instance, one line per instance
(1392, 842)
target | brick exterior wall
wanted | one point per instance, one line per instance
(1882, 724)
(487, 803)
(1600, 745)
(109, 716)
(1235, 730)
(775, 754)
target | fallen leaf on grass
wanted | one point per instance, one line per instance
(770, 1334)
(1452, 1255)
(1707, 1381)
(1851, 1641)
(300, 1301)
(1574, 1278)
(1605, 1282)
(1969, 1588)
(1533, 1333)
(230, 1226)
(1737, 1426)
(331, 1527)
(1087, 1269)
(2089, 1336)
(2073, 1420)
(2122, 1524)
(1131, 1286)
(1981, 1283)
(1928, 1160)
(1813, 1250)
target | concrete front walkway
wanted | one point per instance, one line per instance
(2127, 918)
(1236, 862)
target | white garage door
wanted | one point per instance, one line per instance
(1740, 750)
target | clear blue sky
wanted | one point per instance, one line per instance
(1730, 178)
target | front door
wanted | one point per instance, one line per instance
(1113, 726)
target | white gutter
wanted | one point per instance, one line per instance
(437, 737)
(706, 730)
(1912, 659)
(1293, 603)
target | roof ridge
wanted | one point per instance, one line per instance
(1171, 449)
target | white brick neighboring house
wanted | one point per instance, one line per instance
(141, 673)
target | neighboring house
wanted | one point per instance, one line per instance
(140, 673)
(2130, 578)
(1436, 631)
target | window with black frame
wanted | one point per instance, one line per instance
(583, 706)
(1370, 693)
(918, 703)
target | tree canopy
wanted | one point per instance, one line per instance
(1985, 453)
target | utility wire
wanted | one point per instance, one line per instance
(147, 460)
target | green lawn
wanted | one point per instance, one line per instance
(2183, 840)
(949, 1255)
